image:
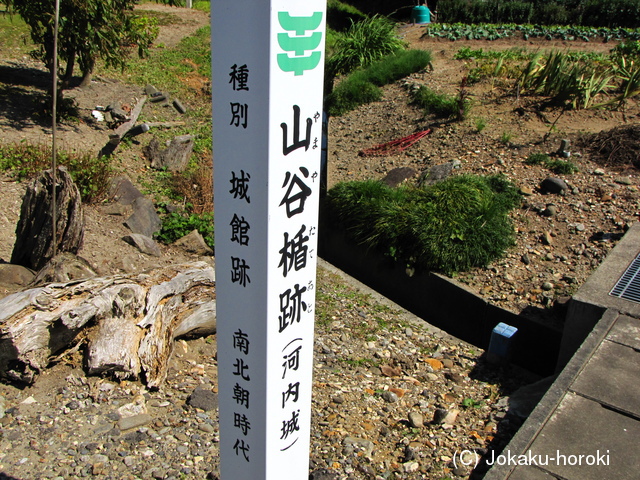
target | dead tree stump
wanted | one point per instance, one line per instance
(34, 232)
(175, 157)
(128, 322)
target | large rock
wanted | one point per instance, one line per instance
(123, 191)
(398, 176)
(553, 185)
(64, 267)
(144, 220)
(438, 173)
(34, 245)
(194, 243)
(143, 243)
(15, 275)
(204, 399)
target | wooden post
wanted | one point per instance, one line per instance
(267, 63)
(189, 3)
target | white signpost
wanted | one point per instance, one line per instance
(267, 66)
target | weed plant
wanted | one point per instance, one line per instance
(566, 81)
(561, 167)
(194, 187)
(467, 53)
(450, 227)
(178, 224)
(14, 36)
(90, 174)
(537, 159)
(439, 104)
(362, 86)
(202, 5)
(364, 43)
(505, 138)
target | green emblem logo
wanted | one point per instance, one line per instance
(299, 43)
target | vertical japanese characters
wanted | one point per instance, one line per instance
(300, 140)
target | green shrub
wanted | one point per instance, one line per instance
(452, 226)
(176, 225)
(350, 94)
(552, 14)
(597, 13)
(396, 66)
(365, 42)
(90, 173)
(361, 87)
(485, 11)
(629, 49)
(611, 13)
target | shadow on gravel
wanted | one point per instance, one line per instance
(21, 108)
(520, 391)
(25, 102)
(23, 91)
(15, 73)
(4, 476)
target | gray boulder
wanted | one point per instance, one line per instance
(553, 185)
(63, 268)
(438, 173)
(398, 176)
(123, 191)
(144, 220)
(143, 243)
(194, 243)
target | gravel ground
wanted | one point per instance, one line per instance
(393, 398)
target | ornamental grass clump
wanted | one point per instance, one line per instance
(362, 44)
(452, 226)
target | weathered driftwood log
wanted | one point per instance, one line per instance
(34, 232)
(123, 129)
(129, 322)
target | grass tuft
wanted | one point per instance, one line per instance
(439, 104)
(561, 167)
(362, 44)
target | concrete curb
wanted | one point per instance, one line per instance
(525, 436)
(405, 315)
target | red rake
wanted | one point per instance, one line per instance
(394, 146)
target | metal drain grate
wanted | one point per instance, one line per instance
(628, 286)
